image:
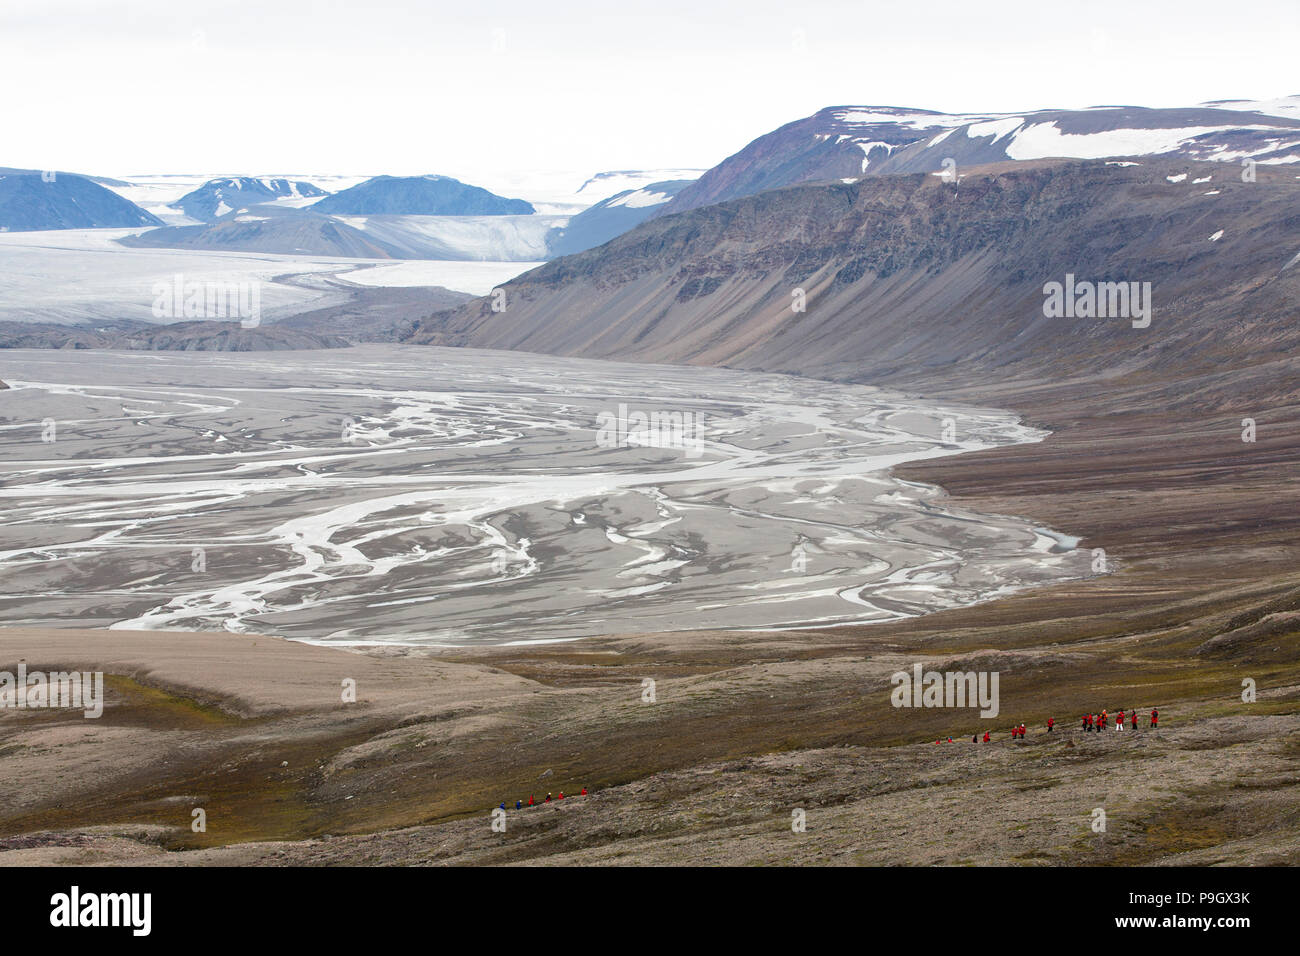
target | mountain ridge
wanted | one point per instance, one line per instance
(906, 276)
(848, 142)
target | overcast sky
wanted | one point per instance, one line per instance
(486, 87)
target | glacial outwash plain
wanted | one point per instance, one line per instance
(349, 600)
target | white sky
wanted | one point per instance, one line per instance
(115, 87)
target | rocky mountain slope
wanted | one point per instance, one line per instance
(31, 200)
(905, 276)
(842, 142)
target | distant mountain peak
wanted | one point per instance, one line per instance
(32, 200)
(219, 197)
(427, 195)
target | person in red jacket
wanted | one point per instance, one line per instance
(548, 798)
(986, 736)
(1132, 718)
(1051, 722)
(561, 794)
(584, 792)
(530, 799)
(1119, 720)
(1155, 715)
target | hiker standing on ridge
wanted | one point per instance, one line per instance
(1051, 722)
(1155, 715)
(1119, 720)
(986, 736)
(1132, 718)
(530, 799)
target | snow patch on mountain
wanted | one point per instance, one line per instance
(869, 146)
(910, 119)
(1040, 140)
(995, 128)
(1288, 106)
(640, 198)
(603, 185)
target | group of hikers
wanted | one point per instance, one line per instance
(1091, 722)
(519, 804)
(1100, 722)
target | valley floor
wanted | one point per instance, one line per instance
(748, 727)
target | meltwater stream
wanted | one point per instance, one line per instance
(412, 495)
